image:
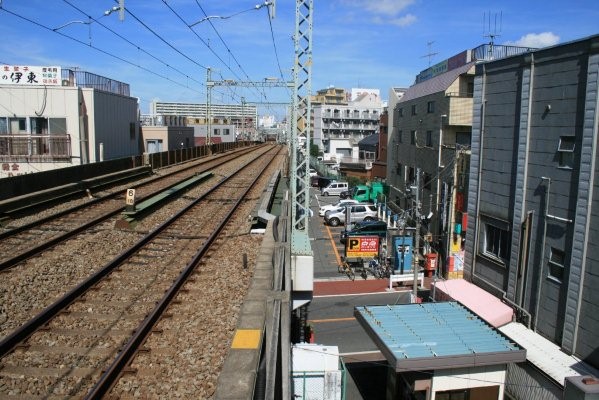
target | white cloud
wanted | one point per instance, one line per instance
(380, 7)
(404, 21)
(537, 40)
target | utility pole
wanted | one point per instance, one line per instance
(415, 247)
(208, 105)
(243, 117)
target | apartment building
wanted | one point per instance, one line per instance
(242, 117)
(338, 127)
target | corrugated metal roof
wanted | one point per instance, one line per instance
(437, 84)
(435, 336)
(546, 355)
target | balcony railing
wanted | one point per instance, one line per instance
(349, 162)
(36, 147)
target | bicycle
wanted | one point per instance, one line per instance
(378, 270)
(346, 268)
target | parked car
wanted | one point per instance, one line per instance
(312, 172)
(314, 181)
(365, 228)
(341, 203)
(358, 212)
(334, 188)
(346, 194)
(324, 181)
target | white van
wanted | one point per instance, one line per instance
(334, 188)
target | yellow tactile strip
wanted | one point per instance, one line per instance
(246, 339)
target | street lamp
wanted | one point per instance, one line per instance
(209, 17)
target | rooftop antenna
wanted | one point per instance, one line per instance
(430, 54)
(491, 33)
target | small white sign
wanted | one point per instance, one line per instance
(130, 199)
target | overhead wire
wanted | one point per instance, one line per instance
(200, 38)
(227, 47)
(96, 48)
(272, 35)
(132, 44)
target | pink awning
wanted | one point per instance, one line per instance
(477, 300)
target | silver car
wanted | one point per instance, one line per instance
(358, 212)
(342, 203)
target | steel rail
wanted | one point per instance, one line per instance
(9, 342)
(114, 371)
(8, 263)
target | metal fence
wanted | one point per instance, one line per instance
(487, 52)
(320, 385)
(85, 79)
(37, 147)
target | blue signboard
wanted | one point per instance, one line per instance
(402, 246)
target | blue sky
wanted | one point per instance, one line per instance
(356, 43)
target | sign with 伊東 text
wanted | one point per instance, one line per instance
(30, 75)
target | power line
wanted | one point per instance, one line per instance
(96, 48)
(272, 35)
(162, 39)
(200, 38)
(227, 47)
(132, 44)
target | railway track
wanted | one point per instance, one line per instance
(31, 285)
(21, 242)
(80, 345)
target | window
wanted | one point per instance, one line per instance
(414, 109)
(400, 112)
(429, 138)
(399, 136)
(411, 175)
(430, 107)
(413, 137)
(399, 168)
(557, 260)
(17, 125)
(216, 132)
(566, 151)
(427, 181)
(58, 126)
(226, 131)
(495, 242)
(132, 130)
(460, 394)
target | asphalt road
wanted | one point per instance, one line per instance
(331, 311)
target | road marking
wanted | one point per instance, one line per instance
(333, 245)
(318, 321)
(246, 339)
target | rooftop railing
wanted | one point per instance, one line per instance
(487, 52)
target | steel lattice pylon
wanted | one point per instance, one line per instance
(300, 129)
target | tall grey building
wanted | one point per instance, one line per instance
(533, 200)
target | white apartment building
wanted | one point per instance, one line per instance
(346, 124)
